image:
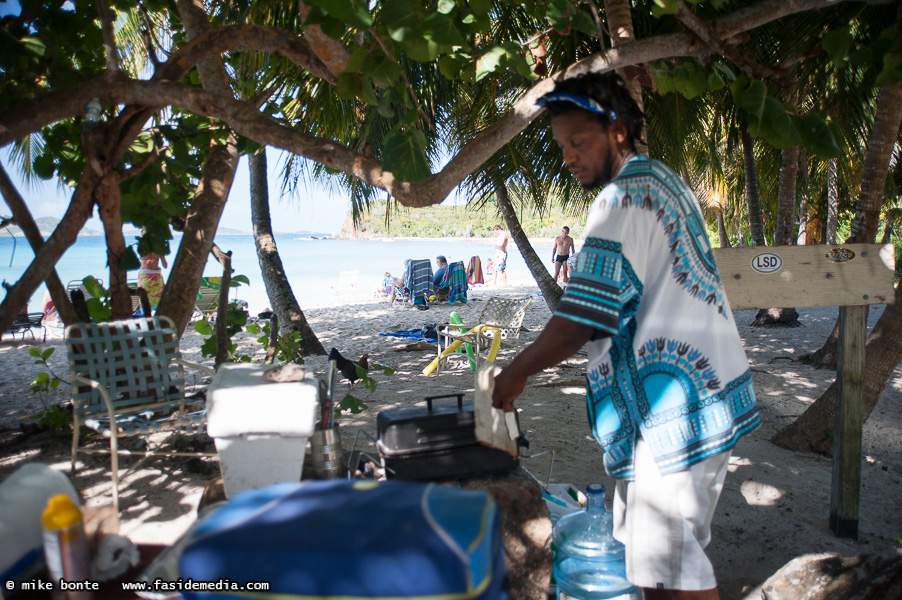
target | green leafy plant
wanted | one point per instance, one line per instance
(98, 304)
(236, 320)
(287, 346)
(353, 403)
(53, 417)
(45, 380)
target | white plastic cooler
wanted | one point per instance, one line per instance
(260, 428)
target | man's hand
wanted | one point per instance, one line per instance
(508, 386)
(560, 339)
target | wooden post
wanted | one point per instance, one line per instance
(847, 434)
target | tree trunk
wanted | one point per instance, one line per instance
(620, 25)
(22, 217)
(883, 352)
(65, 234)
(209, 201)
(786, 201)
(802, 238)
(550, 290)
(756, 225)
(882, 140)
(832, 201)
(222, 308)
(278, 288)
(109, 203)
(722, 230)
(789, 170)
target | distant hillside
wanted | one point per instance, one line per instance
(457, 221)
(47, 225)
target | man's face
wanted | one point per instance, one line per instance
(588, 146)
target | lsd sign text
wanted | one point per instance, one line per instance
(767, 262)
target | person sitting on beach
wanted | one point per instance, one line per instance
(385, 288)
(150, 276)
(571, 263)
(400, 286)
(441, 268)
(50, 311)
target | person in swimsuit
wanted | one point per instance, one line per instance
(150, 276)
(563, 247)
(500, 265)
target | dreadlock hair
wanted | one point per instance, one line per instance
(609, 90)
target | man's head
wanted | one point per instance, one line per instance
(565, 230)
(496, 228)
(596, 123)
(441, 261)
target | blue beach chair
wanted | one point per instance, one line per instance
(458, 289)
(419, 280)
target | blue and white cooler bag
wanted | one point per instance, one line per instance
(349, 539)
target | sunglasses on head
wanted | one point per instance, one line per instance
(580, 100)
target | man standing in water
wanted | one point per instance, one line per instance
(668, 385)
(563, 247)
(501, 239)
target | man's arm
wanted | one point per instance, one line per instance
(560, 339)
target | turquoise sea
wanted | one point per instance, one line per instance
(312, 265)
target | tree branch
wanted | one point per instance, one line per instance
(244, 37)
(137, 168)
(109, 38)
(726, 47)
(332, 53)
(26, 118)
(146, 37)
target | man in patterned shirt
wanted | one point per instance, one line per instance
(668, 386)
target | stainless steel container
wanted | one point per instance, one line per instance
(328, 455)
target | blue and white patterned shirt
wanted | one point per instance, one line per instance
(670, 366)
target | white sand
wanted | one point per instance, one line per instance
(775, 504)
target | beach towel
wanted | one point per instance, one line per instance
(420, 281)
(458, 283)
(416, 335)
(474, 271)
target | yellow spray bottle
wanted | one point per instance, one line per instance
(66, 548)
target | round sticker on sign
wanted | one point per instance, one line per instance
(767, 262)
(840, 255)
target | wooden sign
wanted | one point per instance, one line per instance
(802, 276)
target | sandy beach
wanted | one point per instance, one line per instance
(775, 505)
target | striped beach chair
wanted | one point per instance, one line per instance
(419, 280)
(458, 283)
(128, 380)
(474, 271)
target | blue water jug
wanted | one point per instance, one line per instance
(589, 563)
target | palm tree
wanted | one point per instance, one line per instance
(278, 288)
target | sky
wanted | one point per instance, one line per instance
(317, 211)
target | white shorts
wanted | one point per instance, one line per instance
(665, 522)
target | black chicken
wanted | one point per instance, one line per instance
(349, 368)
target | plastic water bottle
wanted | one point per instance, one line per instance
(589, 563)
(66, 549)
(92, 115)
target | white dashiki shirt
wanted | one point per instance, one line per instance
(668, 364)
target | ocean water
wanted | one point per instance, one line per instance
(311, 265)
